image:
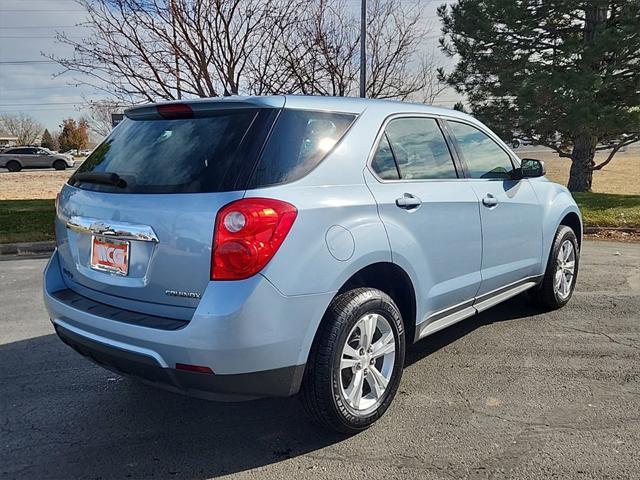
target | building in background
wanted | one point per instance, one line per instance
(7, 140)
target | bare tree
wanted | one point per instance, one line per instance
(322, 55)
(100, 121)
(167, 49)
(26, 128)
(146, 50)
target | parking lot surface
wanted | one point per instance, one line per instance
(511, 393)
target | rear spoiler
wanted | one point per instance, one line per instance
(203, 107)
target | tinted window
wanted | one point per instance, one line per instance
(205, 154)
(298, 143)
(420, 149)
(483, 156)
(383, 163)
(21, 151)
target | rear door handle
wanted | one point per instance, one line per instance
(408, 202)
(489, 201)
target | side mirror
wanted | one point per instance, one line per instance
(531, 168)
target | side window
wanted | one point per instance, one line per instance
(483, 156)
(383, 162)
(298, 143)
(420, 149)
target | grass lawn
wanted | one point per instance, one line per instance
(26, 220)
(32, 220)
(609, 210)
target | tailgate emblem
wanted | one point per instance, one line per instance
(178, 293)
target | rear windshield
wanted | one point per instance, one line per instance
(215, 153)
(207, 154)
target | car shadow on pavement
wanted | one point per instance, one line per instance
(518, 307)
(63, 417)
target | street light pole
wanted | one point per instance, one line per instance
(363, 48)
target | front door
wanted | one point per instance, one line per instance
(431, 216)
(510, 212)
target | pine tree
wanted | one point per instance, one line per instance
(47, 140)
(558, 73)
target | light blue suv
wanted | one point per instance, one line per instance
(245, 247)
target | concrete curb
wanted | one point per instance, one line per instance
(596, 229)
(27, 249)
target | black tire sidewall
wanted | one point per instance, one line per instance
(382, 305)
(59, 165)
(10, 166)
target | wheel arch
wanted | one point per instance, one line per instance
(572, 220)
(12, 159)
(394, 281)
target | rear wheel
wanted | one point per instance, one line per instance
(356, 361)
(13, 166)
(59, 165)
(562, 270)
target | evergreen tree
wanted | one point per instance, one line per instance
(47, 140)
(558, 73)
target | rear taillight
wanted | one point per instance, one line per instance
(247, 235)
(172, 111)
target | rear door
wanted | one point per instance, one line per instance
(147, 238)
(510, 212)
(41, 158)
(430, 214)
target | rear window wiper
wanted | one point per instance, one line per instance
(104, 178)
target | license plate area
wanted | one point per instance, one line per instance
(110, 255)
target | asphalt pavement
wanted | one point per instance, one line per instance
(511, 393)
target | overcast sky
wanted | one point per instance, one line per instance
(28, 81)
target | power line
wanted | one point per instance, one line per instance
(25, 62)
(42, 26)
(39, 104)
(41, 11)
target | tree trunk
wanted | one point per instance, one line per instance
(581, 173)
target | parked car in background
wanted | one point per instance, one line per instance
(245, 247)
(16, 158)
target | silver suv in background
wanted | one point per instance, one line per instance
(16, 158)
(269, 246)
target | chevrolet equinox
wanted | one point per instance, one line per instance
(270, 246)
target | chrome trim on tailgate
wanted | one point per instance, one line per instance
(120, 230)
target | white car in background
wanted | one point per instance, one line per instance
(16, 158)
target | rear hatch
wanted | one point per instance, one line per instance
(135, 222)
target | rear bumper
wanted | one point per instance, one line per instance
(278, 382)
(252, 337)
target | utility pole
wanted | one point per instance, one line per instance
(363, 48)
(175, 48)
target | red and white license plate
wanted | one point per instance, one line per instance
(110, 255)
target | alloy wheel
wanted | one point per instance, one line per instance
(565, 269)
(366, 363)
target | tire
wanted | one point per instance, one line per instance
(325, 388)
(59, 165)
(13, 166)
(553, 294)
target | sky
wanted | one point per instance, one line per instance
(31, 83)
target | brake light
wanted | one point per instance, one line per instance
(247, 235)
(175, 111)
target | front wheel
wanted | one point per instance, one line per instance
(562, 270)
(356, 361)
(59, 165)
